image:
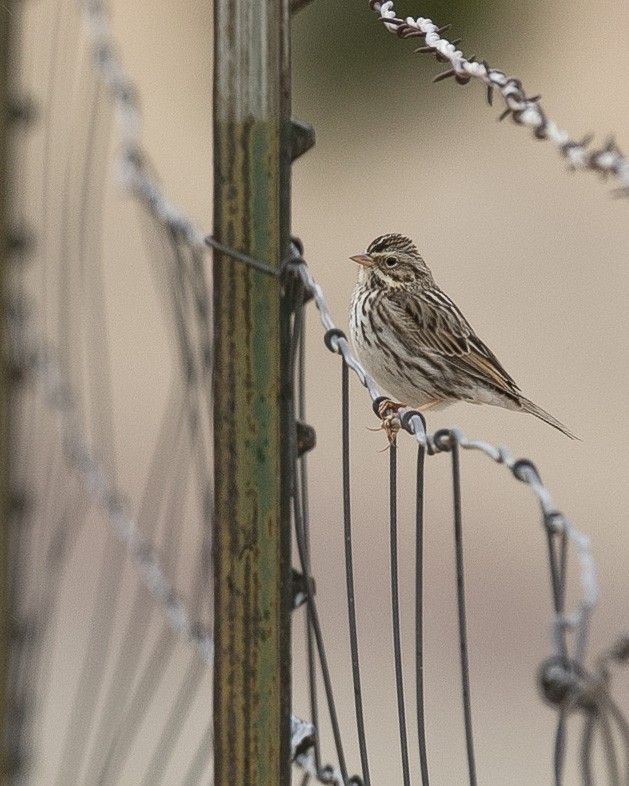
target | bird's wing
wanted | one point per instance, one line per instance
(433, 323)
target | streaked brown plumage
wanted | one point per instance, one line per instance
(415, 342)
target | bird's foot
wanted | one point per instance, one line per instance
(390, 422)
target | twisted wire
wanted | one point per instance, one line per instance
(131, 157)
(523, 110)
(100, 488)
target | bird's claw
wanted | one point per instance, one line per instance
(388, 414)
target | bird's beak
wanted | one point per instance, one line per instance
(363, 259)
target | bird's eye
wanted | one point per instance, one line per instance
(390, 261)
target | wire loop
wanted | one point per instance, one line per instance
(443, 440)
(330, 339)
(522, 467)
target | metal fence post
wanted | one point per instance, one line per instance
(252, 471)
(5, 387)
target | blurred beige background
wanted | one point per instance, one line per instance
(534, 256)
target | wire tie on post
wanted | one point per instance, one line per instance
(306, 438)
(301, 587)
(297, 246)
(294, 262)
(303, 736)
(261, 267)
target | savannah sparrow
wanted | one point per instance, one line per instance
(415, 342)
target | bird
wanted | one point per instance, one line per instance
(415, 342)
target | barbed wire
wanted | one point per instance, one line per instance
(44, 367)
(524, 110)
(131, 156)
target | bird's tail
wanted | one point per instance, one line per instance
(533, 409)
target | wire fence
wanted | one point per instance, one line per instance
(564, 678)
(135, 698)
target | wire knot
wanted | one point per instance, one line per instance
(564, 683)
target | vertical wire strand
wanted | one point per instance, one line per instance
(349, 576)
(156, 769)
(462, 617)
(586, 749)
(305, 519)
(609, 749)
(558, 572)
(313, 616)
(91, 680)
(419, 614)
(323, 659)
(612, 708)
(121, 746)
(301, 500)
(560, 747)
(395, 614)
(558, 564)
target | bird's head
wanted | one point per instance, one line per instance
(393, 261)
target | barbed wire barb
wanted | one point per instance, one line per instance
(523, 110)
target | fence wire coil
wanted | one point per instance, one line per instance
(152, 554)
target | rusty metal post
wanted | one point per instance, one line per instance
(252, 466)
(6, 12)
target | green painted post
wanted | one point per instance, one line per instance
(5, 385)
(252, 467)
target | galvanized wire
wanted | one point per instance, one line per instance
(419, 616)
(462, 614)
(395, 615)
(349, 576)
